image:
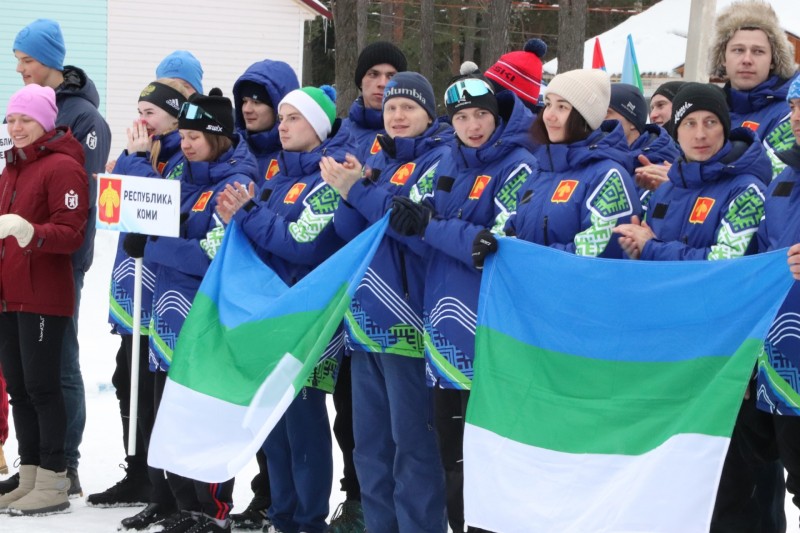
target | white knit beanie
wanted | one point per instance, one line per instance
(587, 90)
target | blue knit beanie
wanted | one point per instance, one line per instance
(794, 89)
(414, 86)
(183, 65)
(43, 41)
(628, 101)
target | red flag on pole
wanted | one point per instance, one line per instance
(597, 57)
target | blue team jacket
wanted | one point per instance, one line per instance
(473, 189)
(363, 125)
(711, 209)
(181, 262)
(290, 224)
(581, 192)
(121, 300)
(778, 381)
(385, 315)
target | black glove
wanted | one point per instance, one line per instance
(134, 244)
(408, 217)
(483, 245)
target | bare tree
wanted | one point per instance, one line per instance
(470, 25)
(398, 22)
(363, 10)
(456, 21)
(495, 46)
(387, 19)
(345, 25)
(571, 34)
(427, 15)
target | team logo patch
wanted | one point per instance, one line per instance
(751, 125)
(702, 206)
(376, 146)
(91, 140)
(202, 202)
(147, 91)
(272, 169)
(401, 175)
(71, 199)
(564, 191)
(294, 193)
(479, 186)
(110, 194)
(610, 200)
(161, 166)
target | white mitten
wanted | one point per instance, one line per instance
(17, 226)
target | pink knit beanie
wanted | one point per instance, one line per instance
(37, 102)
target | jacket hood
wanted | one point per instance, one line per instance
(276, 77)
(301, 164)
(751, 14)
(656, 144)
(791, 156)
(263, 142)
(170, 144)
(77, 83)
(512, 132)
(741, 154)
(605, 143)
(773, 89)
(58, 141)
(237, 160)
(364, 117)
(409, 149)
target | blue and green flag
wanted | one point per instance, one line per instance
(244, 352)
(630, 66)
(605, 391)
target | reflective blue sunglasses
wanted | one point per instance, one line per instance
(472, 86)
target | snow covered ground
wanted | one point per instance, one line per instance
(102, 448)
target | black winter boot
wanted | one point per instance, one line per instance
(133, 490)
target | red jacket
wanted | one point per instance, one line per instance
(44, 183)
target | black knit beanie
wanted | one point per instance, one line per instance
(377, 53)
(256, 91)
(669, 89)
(700, 97)
(215, 115)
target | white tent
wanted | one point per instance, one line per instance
(659, 37)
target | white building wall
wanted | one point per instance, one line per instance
(224, 39)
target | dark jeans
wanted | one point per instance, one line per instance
(30, 354)
(72, 380)
(146, 408)
(343, 429)
(751, 493)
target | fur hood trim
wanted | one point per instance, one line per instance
(751, 14)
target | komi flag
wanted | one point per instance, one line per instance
(597, 56)
(605, 391)
(630, 67)
(244, 352)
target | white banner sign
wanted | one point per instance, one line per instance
(5, 144)
(150, 206)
